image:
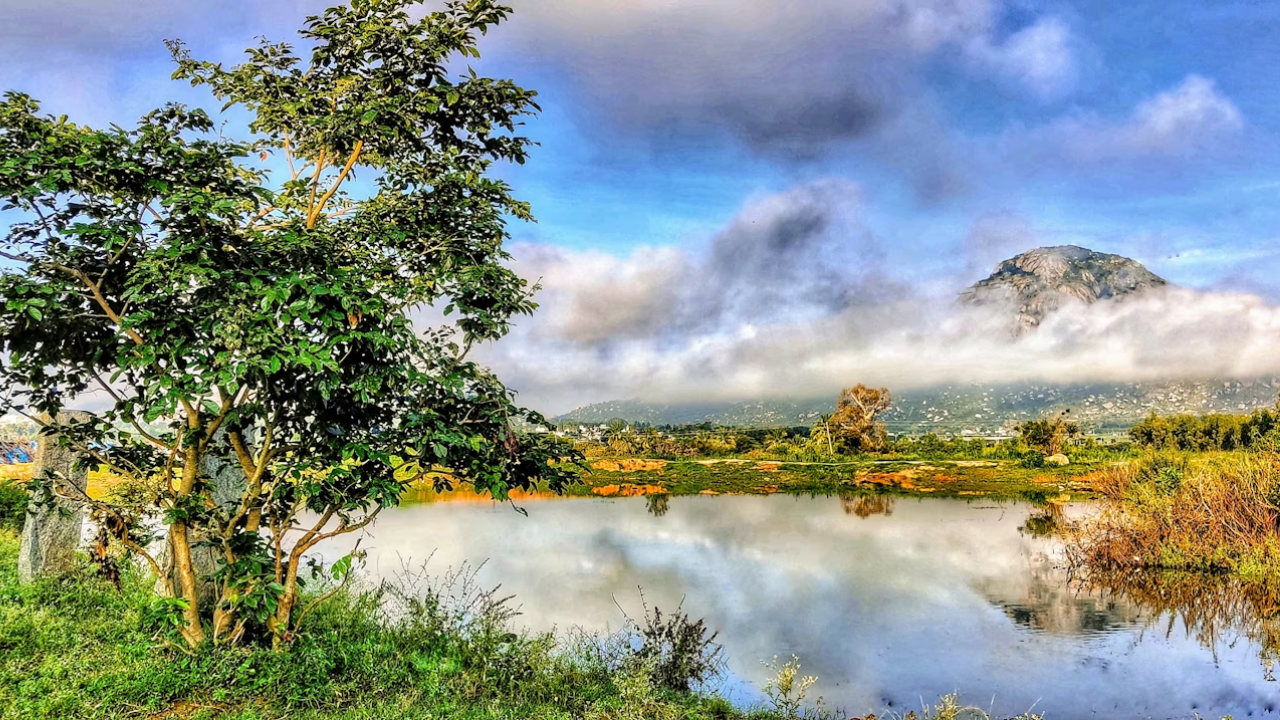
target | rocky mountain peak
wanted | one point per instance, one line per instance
(1039, 281)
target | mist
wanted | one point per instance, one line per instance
(794, 298)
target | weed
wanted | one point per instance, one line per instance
(787, 689)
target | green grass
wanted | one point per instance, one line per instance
(78, 648)
(936, 478)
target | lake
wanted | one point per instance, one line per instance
(891, 602)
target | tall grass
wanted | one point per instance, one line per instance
(423, 648)
(1169, 513)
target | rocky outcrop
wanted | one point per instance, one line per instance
(1040, 281)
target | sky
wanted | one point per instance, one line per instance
(749, 198)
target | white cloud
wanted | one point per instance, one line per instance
(1188, 120)
(787, 301)
(1039, 57)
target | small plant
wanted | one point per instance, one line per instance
(786, 690)
(1165, 471)
(1032, 459)
(683, 652)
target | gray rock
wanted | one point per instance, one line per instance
(50, 536)
(227, 484)
(1040, 282)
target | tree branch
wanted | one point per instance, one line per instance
(156, 442)
(351, 162)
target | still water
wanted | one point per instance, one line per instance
(889, 602)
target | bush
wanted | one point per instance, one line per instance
(682, 652)
(1162, 513)
(1032, 459)
(13, 505)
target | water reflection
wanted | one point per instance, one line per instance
(658, 504)
(1216, 610)
(864, 506)
(940, 596)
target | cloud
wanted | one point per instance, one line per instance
(793, 299)
(786, 80)
(1192, 119)
(799, 253)
(1039, 57)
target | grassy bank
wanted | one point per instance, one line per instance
(1175, 511)
(611, 476)
(941, 478)
(80, 648)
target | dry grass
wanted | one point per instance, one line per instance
(1162, 512)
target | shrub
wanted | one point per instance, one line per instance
(13, 505)
(1161, 513)
(682, 652)
(1032, 459)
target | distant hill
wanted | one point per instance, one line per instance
(967, 409)
(1040, 281)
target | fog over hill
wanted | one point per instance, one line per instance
(1050, 329)
(980, 410)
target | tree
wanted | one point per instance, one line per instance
(853, 426)
(1048, 434)
(236, 318)
(854, 422)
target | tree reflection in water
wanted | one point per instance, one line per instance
(658, 504)
(864, 506)
(1213, 608)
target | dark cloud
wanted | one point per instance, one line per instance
(796, 254)
(790, 81)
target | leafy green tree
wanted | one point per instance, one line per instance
(238, 316)
(1048, 434)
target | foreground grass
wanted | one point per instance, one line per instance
(78, 648)
(1173, 511)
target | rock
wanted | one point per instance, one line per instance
(50, 536)
(1042, 281)
(227, 484)
(1058, 459)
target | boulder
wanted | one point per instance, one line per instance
(227, 484)
(1058, 459)
(50, 536)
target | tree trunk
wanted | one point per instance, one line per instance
(181, 543)
(194, 630)
(279, 622)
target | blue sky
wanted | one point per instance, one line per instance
(945, 135)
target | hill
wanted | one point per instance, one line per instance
(1041, 281)
(967, 409)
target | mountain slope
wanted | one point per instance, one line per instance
(973, 409)
(1041, 281)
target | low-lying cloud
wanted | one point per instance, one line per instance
(793, 299)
